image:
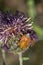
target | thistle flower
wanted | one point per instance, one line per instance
(13, 29)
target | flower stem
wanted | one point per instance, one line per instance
(20, 58)
(3, 56)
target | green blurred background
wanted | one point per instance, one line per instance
(34, 9)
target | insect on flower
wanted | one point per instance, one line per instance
(16, 27)
(24, 42)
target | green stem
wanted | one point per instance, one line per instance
(39, 31)
(3, 56)
(31, 9)
(20, 58)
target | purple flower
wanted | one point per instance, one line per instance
(33, 35)
(8, 23)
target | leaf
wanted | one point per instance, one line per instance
(26, 58)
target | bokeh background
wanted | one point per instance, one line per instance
(33, 8)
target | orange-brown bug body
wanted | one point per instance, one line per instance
(24, 42)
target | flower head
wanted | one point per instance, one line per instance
(16, 31)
